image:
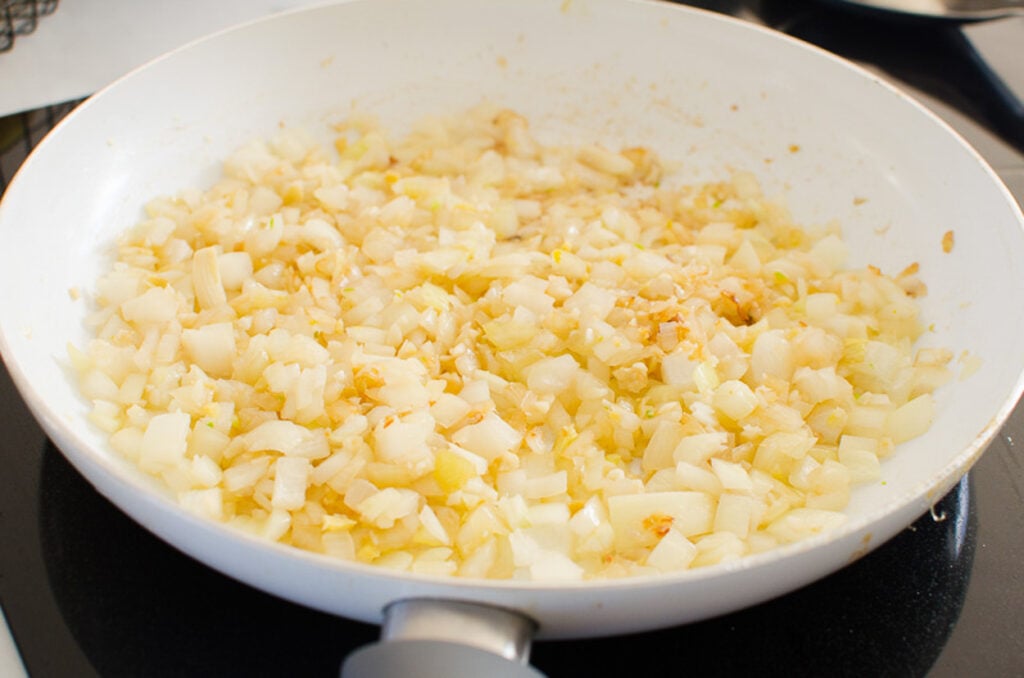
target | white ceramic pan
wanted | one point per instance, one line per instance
(714, 91)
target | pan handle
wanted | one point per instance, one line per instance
(433, 638)
(994, 46)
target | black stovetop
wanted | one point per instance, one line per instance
(88, 592)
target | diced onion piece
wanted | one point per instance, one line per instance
(489, 438)
(552, 375)
(705, 377)
(97, 385)
(205, 472)
(388, 505)
(821, 306)
(234, 269)
(801, 523)
(554, 566)
(699, 447)
(206, 280)
(549, 514)
(433, 527)
(604, 160)
(912, 419)
(454, 467)
(288, 439)
(245, 475)
(155, 305)
(831, 251)
(745, 258)
(449, 409)
(732, 475)
(734, 513)
(276, 524)
(208, 503)
(659, 451)
(208, 441)
(212, 347)
(677, 369)
(718, 547)
(321, 235)
(291, 476)
(673, 552)
(396, 560)
(772, 356)
(822, 385)
(165, 441)
(860, 455)
(541, 563)
(734, 399)
(406, 438)
(779, 450)
(542, 487)
(697, 478)
(641, 519)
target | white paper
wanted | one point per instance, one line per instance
(10, 661)
(86, 44)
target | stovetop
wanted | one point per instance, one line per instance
(87, 592)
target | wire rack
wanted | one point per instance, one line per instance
(19, 134)
(20, 17)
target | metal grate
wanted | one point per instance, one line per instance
(19, 134)
(20, 17)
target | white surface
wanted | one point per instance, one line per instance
(86, 44)
(600, 69)
(10, 661)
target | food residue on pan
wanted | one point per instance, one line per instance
(863, 549)
(969, 364)
(912, 285)
(947, 242)
(465, 353)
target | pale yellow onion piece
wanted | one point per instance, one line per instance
(638, 518)
(211, 347)
(206, 280)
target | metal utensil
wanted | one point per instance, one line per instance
(960, 10)
(988, 34)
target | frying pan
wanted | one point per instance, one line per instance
(711, 92)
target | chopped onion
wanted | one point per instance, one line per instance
(464, 353)
(489, 438)
(165, 441)
(291, 476)
(287, 438)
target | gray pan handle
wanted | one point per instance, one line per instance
(997, 48)
(429, 638)
(1000, 46)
